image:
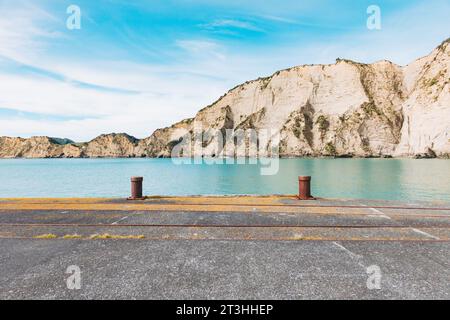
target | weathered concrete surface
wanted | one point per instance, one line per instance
(224, 248)
(186, 269)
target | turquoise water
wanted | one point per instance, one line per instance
(390, 179)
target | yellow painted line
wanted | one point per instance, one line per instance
(212, 204)
(178, 207)
(278, 200)
(54, 200)
(285, 239)
(220, 200)
(214, 233)
(225, 199)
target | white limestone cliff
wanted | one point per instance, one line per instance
(342, 109)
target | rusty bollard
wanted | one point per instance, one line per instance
(304, 188)
(136, 188)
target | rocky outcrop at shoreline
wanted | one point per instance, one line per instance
(346, 109)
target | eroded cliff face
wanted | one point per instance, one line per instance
(426, 108)
(111, 145)
(36, 147)
(344, 109)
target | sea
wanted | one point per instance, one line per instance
(384, 179)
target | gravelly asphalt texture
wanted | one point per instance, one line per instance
(128, 269)
(414, 260)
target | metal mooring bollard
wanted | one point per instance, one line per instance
(304, 188)
(136, 188)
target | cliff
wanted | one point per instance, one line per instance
(343, 109)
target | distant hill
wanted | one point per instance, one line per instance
(342, 109)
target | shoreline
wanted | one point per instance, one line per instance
(224, 158)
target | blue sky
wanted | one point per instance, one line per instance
(135, 66)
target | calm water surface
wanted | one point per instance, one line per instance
(390, 179)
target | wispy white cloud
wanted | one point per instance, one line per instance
(22, 30)
(107, 95)
(227, 24)
(202, 48)
(280, 19)
(160, 101)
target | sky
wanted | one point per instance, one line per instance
(135, 66)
